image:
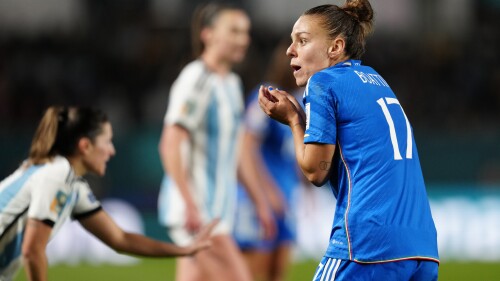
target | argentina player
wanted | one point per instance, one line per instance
(39, 196)
(199, 145)
(355, 136)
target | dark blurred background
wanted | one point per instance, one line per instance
(441, 57)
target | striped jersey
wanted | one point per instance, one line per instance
(48, 192)
(382, 212)
(210, 107)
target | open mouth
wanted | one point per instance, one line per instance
(295, 67)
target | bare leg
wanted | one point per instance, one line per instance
(187, 269)
(259, 263)
(280, 261)
(221, 262)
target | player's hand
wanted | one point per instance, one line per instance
(193, 219)
(267, 221)
(297, 105)
(202, 239)
(278, 104)
(277, 202)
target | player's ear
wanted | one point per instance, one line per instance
(206, 35)
(336, 48)
(84, 145)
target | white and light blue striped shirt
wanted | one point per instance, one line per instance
(210, 107)
(48, 192)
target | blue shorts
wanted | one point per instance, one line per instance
(248, 232)
(331, 269)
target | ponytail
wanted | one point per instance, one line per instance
(60, 130)
(45, 135)
(353, 21)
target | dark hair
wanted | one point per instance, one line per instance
(60, 130)
(205, 16)
(353, 21)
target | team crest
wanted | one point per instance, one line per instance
(58, 202)
(188, 108)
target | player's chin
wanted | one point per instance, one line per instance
(300, 81)
(238, 56)
(100, 171)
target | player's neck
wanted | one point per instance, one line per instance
(77, 165)
(215, 64)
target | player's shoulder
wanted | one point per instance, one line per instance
(320, 83)
(81, 182)
(57, 169)
(193, 67)
(193, 72)
(234, 77)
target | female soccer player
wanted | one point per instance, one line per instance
(268, 156)
(200, 142)
(355, 135)
(38, 197)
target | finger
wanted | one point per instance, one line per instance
(270, 230)
(272, 94)
(264, 104)
(207, 229)
(204, 245)
(268, 94)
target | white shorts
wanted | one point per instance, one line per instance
(180, 236)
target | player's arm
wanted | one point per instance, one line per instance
(173, 140)
(103, 227)
(314, 159)
(35, 239)
(254, 166)
(252, 179)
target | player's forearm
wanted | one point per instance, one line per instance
(297, 125)
(136, 244)
(180, 177)
(313, 159)
(35, 266)
(251, 180)
(163, 151)
(175, 163)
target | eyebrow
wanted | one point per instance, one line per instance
(299, 33)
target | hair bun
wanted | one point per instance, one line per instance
(359, 9)
(362, 11)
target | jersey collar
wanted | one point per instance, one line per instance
(348, 63)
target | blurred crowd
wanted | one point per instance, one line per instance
(123, 60)
(122, 56)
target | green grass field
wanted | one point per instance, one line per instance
(157, 269)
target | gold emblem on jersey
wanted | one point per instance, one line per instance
(58, 202)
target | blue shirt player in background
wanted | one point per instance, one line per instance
(268, 160)
(355, 136)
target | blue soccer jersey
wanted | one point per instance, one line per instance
(382, 211)
(277, 148)
(278, 155)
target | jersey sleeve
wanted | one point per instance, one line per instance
(188, 97)
(86, 203)
(319, 104)
(47, 198)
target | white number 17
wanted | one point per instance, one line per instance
(392, 130)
